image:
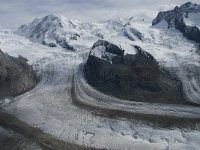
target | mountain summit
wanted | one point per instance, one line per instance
(51, 30)
(184, 18)
(54, 30)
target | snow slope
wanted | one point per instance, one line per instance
(192, 20)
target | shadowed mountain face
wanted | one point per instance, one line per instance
(16, 76)
(134, 77)
(184, 18)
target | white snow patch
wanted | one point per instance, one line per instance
(192, 19)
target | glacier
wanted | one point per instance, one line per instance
(49, 106)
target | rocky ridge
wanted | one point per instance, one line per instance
(182, 18)
(133, 77)
(16, 76)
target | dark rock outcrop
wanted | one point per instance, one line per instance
(131, 32)
(175, 18)
(134, 77)
(16, 76)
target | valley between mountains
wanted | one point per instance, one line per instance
(124, 83)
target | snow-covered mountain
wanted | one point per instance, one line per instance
(55, 30)
(51, 30)
(155, 65)
(185, 18)
(163, 44)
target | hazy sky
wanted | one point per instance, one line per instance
(17, 12)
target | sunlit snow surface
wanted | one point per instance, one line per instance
(49, 106)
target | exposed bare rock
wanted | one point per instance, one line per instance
(16, 76)
(134, 77)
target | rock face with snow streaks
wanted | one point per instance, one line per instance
(134, 77)
(184, 18)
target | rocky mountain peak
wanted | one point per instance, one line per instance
(177, 12)
(184, 18)
(188, 7)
